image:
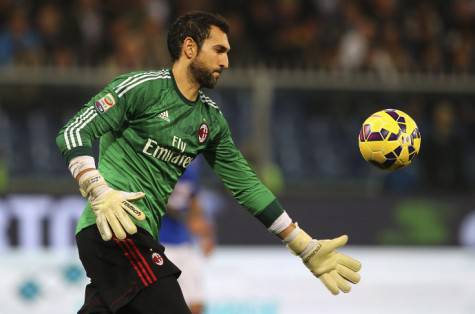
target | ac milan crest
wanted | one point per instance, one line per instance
(203, 133)
(157, 259)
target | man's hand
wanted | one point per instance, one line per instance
(111, 207)
(334, 269)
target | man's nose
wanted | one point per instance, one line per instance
(224, 61)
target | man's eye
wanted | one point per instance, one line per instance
(220, 50)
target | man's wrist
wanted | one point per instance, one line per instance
(285, 233)
(280, 224)
(81, 164)
(290, 233)
(91, 184)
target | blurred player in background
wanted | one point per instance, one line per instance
(185, 226)
(151, 126)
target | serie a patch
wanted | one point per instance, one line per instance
(105, 103)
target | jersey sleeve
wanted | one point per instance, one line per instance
(236, 174)
(105, 112)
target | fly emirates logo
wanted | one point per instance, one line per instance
(152, 148)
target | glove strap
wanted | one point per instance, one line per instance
(311, 249)
(92, 184)
(301, 244)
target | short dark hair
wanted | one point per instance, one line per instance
(197, 25)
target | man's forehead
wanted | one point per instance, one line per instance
(218, 37)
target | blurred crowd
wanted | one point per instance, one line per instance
(395, 36)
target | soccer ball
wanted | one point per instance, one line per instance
(389, 139)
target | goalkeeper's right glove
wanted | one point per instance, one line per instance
(110, 206)
(333, 268)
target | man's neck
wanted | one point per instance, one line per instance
(186, 85)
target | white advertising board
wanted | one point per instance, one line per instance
(264, 280)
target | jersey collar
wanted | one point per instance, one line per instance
(189, 102)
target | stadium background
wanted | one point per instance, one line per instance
(303, 77)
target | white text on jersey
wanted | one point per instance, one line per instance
(151, 148)
(179, 143)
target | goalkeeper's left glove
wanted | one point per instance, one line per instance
(334, 269)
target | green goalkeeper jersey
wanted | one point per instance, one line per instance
(149, 133)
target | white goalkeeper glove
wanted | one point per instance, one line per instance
(334, 269)
(110, 206)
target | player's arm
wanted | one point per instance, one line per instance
(334, 269)
(104, 113)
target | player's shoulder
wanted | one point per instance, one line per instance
(208, 101)
(140, 80)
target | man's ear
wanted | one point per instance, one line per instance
(190, 49)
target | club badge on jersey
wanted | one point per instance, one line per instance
(105, 103)
(157, 259)
(203, 132)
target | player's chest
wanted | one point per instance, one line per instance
(182, 129)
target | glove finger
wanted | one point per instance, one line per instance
(349, 262)
(126, 222)
(133, 210)
(342, 284)
(133, 196)
(330, 283)
(115, 225)
(332, 244)
(104, 229)
(348, 274)
(339, 242)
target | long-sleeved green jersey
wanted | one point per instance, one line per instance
(149, 133)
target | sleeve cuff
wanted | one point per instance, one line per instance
(78, 151)
(269, 214)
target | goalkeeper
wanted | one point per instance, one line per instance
(151, 125)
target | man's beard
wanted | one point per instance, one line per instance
(203, 76)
